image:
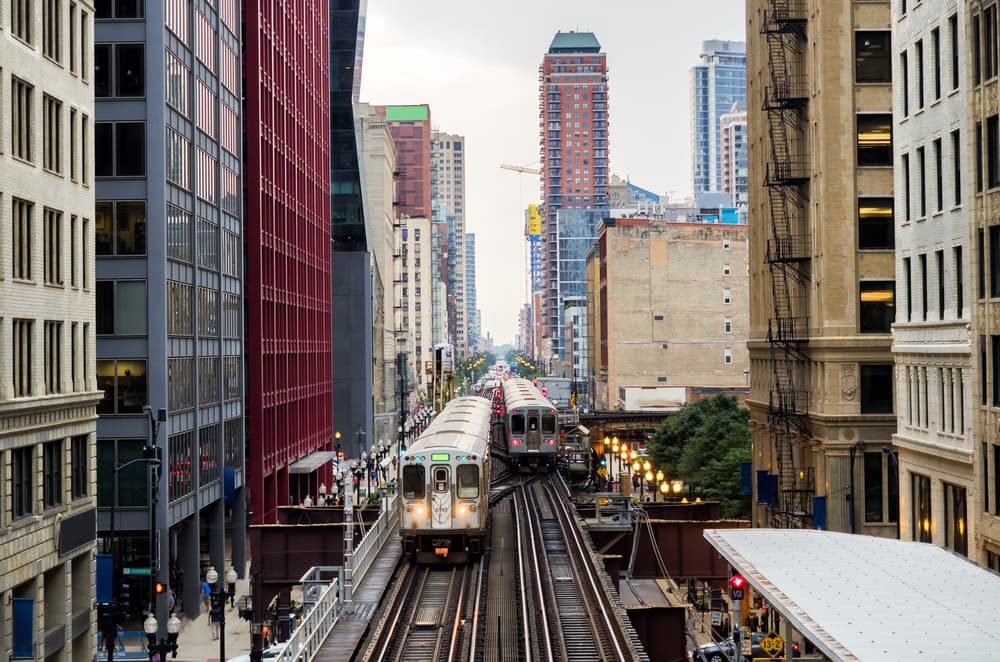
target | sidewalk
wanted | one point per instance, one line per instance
(195, 643)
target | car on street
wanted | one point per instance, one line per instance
(723, 651)
(269, 653)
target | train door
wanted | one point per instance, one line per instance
(440, 497)
(534, 434)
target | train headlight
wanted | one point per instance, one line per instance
(462, 510)
(420, 510)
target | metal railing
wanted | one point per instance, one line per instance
(317, 623)
(387, 524)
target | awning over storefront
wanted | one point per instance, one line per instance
(860, 598)
(311, 462)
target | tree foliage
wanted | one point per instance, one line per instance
(703, 445)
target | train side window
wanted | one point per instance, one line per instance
(414, 481)
(468, 481)
(548, 424)
(533, 423)
(517, 424)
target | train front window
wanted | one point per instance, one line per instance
(517, 424)
(414, 481)
(533, 423)
(468, 481)
(548, 424)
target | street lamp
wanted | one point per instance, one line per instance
(163, 646)
(664, 489)
(218, 596)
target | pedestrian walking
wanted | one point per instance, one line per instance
(206, 595)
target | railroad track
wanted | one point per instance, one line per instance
(567, 612)
(432, 617)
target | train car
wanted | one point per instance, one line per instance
(445, 486)
(531, 424)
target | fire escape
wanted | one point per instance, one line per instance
(788, 495)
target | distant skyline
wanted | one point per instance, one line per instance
(476, 65)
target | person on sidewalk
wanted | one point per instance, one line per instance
(206, 595)
(214, 619)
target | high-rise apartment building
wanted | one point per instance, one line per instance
(573, 109)
(733, 135)
(471, 300)
(977, 52)
(287, 244)
(48, 388)
(717, 82)
(415, 302)
(448, 203)
(931, 336)
(169, 288)
(821, 303)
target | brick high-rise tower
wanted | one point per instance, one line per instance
(573, 105)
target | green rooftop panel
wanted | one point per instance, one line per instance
(405, 113)
(575, 42)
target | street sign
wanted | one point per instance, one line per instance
(772, 644)
(716, 618)
(736, 593)
(136, 571)
(746, 646)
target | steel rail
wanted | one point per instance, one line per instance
(539, 585)
(475, 614)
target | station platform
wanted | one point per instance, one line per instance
(351, 627)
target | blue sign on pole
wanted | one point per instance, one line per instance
(105, 579)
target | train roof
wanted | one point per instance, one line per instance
(519, 392)
(464, 424)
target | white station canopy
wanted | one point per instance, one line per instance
(861, 598)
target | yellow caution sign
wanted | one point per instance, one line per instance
(772, 644)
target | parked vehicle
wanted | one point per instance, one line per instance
(723, 651)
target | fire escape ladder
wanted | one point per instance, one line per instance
(788, 253)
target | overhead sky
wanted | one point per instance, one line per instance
(476, 64)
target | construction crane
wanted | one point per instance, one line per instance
(524, 169)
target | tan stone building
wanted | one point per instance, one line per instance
(670, 312)
(48, 387)
(821, 309)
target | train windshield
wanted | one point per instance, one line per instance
(548, 424)
(517, 424)
(468, 481)
(414, 481)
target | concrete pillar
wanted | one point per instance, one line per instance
(188, 557)
(216, 515)
(239, 532)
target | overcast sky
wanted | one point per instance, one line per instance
(475, 63)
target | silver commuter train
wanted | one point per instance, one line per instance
(532, 425)
(445, 485)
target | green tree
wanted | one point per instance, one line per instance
(703, 445)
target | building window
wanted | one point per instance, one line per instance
(989, 42)
(874, 139)
(977, 51)
(208, 447)
(121, 307)
(995, 260)
(119, 9)
(52, 30)
(119, 70)
(872, 56)
(995, 368)
(120, 227)
(939, 260)
(79, 473)
(180, 479)
(956, 155)
(905, 159)
(881, 488)
(936, 55)
(177, 84)
(727, 269)
(180, 382)
(877, 305)
(979, 157)
(923, 286)
(953, 41)
(938, 176)
(53, 357)
(52, 134)
(22, 357)
(727, 325)
(21, 231)
(74, 356)
(208, 244)
(908, 275)
(727, 356)
(983, 366)
(84, 150)
(124, 384)
(21, 113)
(875, 224)
(133, 481)
(876, 388)
(955, 514)
(233, 378)
(121, 149)
(920, 500)
(179, 306)
(52, 477)
(922, 174)
(231, 315)
(919, 47)
(904, 77)
(52, 239)
(179, 234)
(21, 461)
(981, 264)
(208, 380)
(208, 312)
(74, 148)
(992, 151)
(727, 296)
(21, 16)
(178, 159)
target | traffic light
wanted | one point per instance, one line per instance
(160, 587)
(124, 596)
(604, 462)
(736, 585)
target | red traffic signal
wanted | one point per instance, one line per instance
(737, 581)
(160, 587)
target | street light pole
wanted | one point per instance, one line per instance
(218, 596)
